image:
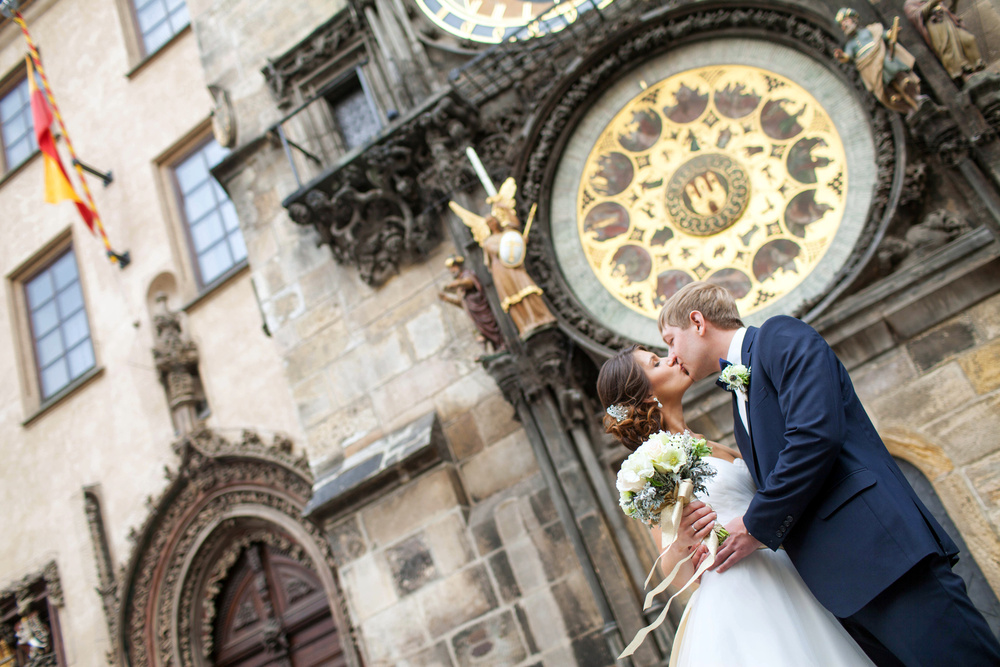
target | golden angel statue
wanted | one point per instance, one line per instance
(499, 235)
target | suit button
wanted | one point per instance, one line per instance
(788, 519)
(780, 533)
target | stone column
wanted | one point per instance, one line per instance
(177, 361)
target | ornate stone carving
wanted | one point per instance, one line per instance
(914, 183)
(935, 230)
(378, 210)
(176, 359)
(984, 91)
(938, 133)
(106, 588)
(45, 583)
(313, 52)
(504, 371)
(221, 486)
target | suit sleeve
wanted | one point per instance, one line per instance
(804, 372)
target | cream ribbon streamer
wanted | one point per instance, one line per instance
(670, 527)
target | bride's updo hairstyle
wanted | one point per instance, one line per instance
(624, 384)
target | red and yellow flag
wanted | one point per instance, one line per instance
(57, 185)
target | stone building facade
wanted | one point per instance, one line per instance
(309, 458)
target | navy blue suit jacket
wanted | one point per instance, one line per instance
(828, 490)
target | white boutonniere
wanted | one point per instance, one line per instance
(736, 377)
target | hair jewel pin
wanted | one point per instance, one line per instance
(618, 411)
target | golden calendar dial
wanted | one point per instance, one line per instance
(732, 174)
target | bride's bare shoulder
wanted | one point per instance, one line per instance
(723, 452)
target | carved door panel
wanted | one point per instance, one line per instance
(273, 612)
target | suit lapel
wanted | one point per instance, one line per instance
(745, 357)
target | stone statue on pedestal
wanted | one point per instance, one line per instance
(466, 291)
(943, 31)
(503, 245)
(885, 66)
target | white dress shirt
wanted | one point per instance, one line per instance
(735, 356)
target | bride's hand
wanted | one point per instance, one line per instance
(697, 521)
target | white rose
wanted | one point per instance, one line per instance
(629, 480)
(635, 470)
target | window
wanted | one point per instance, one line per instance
(353, 112)
(159, 20)
(213, 229)
(59, 329)
(16, 127)
(29, 630)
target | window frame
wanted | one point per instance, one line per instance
(36, 339)
(179, 229)
(8, 84)
(351, 80)
(135, 44)
(33, 404)
(315, 126)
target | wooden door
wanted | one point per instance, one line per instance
(274, 611)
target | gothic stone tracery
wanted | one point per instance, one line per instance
(225, 496)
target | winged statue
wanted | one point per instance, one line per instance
(499, 235)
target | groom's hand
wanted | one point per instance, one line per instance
(737, 546)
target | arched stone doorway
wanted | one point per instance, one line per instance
(226, 571)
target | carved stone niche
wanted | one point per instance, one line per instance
(229, 497)
(378, 209)
(29, 629)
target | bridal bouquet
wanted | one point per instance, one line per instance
(654, 483)
(665, 468)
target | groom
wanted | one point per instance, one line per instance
(829, 492)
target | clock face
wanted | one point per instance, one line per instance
(730, 174)
(492, 21)
(736, 161)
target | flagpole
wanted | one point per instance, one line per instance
(121, 259)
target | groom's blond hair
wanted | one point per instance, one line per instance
(715, 303)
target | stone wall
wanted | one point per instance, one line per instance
(936, 402)
(434, 578)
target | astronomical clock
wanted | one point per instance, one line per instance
(492, 21)
(738, 162)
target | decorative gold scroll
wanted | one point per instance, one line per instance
(731, 174)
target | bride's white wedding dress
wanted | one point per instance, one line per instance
(759, 612)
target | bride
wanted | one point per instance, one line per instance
(758, 612)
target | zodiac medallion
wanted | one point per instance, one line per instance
(731, 174)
